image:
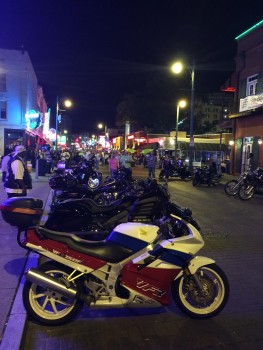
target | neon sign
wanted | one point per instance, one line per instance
(33, 119)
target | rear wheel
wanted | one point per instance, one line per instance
(46, 306)
(194, 182)
(246, 192)
(204, 303)
(231, 187)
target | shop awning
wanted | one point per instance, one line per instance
(153, 145)
(211, 147)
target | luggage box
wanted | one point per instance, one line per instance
(22, 212)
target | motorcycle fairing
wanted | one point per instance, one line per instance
(169, 256)
(154, 283)
(144, 232)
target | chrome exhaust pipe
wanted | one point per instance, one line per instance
(49, 282)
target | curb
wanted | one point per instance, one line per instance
(17, 318)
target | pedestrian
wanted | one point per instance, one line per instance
(113, 164)
(126, 162)
(65, 156)
(151, 164)
(166, 167)
(18, 179)
(5, 160)
(49, 161)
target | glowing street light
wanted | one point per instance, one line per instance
(180, 104)
(177, 68)
(101, 126)
(67, 103)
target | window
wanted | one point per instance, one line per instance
(2, 82)
(252, 85)
(2, 110)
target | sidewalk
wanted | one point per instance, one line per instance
(13, 261)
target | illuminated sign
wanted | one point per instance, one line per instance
(130, 137)
(33, 119)
(51, 135)
(46, 122)
(250, 102)
(142, 139)
(63, 140)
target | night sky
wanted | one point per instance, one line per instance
(94, 51)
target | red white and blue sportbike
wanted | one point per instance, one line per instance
(138, 265)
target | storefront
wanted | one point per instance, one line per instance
(247, 147)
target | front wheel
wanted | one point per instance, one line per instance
(46, 306)
(246, 192)
(93, 183)
(204, 303)
(231, 187)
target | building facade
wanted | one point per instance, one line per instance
(24, 117)
(247, 120)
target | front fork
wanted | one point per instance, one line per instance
(195, 264)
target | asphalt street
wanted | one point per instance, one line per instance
(233, 237)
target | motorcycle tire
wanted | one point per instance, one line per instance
(93, 183)
(231, 187)
(206, 303)
(194, 182)
(48, 307)
(246, 192)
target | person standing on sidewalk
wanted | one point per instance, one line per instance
(113, 164)
(126, 162)
(151, 164)
(5, 160)
(18, 179)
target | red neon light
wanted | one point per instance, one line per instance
(229, 89)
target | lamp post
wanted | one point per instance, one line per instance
(182, 104)
(177, 67)
(100, 126)
(67, 104)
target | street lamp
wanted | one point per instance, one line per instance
(67, 103)
(182, 104)
(177, 68)
(101, 126)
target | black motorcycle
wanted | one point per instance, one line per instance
(232, 187)
(252, 183)
(112, 188)
(205, 175)
(89, 220)
(178, 170)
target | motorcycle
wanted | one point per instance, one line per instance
(81, 174)
(204, 176)
(231, 188)
(138, 265)
(88, 219)
(252, 183)
(178, 170)
(111, 189)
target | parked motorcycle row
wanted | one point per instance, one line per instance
(122, 243)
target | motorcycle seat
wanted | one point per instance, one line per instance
(92, 206)
(103, 250)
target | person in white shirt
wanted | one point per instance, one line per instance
(18, 179)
